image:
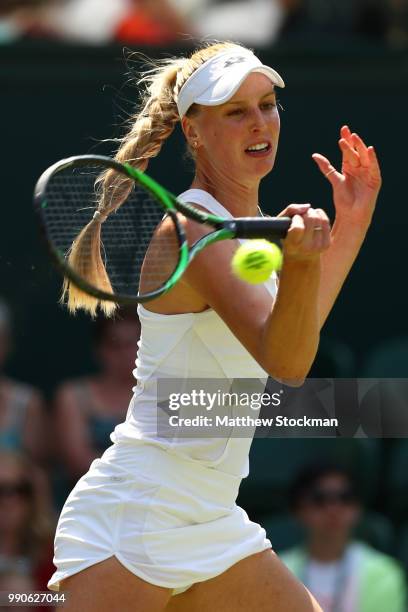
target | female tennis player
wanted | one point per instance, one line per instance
(153, 525)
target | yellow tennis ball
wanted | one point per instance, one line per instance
(255, 260)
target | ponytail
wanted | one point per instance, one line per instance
(151, 127)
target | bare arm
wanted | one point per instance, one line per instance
(290, 337)
(355, 192)
(282, 335)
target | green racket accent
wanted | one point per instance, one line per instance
(144, 244)
(217, 236)
(181, 267)
(198, 215)
(151, 185)
(169, 200)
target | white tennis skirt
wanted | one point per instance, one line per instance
(170, 521)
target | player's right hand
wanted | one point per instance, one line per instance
(309, 233)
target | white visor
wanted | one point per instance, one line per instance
(217, 80)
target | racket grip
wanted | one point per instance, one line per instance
(255, 227)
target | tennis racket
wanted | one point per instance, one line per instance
(143, 242)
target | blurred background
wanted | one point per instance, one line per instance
(67, 77)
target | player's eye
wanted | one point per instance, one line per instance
(235, 112)
(269, 105)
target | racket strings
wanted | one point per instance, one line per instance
(139, 245)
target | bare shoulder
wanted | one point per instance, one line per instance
(182, 298)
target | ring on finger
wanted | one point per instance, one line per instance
(330, 172)
(318, 228)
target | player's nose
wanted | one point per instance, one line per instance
(257, 120)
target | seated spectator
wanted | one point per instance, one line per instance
(131, 21)
(26, 518)
(88, 409)
(19, 18)
(23, 423)
(343, 574)
(156, 22)
(252, 22)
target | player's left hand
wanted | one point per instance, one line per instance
(356, 187)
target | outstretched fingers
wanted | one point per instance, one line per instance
(374, 166)
(350, 154)
(326, 168)
(366, 156)
(361, 149)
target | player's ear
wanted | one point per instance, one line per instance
(190, 131)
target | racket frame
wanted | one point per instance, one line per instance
(59, 258)
(241, 227)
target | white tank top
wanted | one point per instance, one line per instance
(187, 346)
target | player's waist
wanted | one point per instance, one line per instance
(164, 465)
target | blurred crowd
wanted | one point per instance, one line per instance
(337, 508)
(165, 22)
(343, 572)
(46, 446)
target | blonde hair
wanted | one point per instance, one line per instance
(151, 126)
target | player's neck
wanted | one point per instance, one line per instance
(239, 199)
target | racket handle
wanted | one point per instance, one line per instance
(254, 227)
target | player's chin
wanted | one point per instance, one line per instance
(261, 165)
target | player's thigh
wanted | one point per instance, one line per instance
(108, 586)
(260, 582)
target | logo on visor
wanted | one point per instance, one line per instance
(234, 60)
